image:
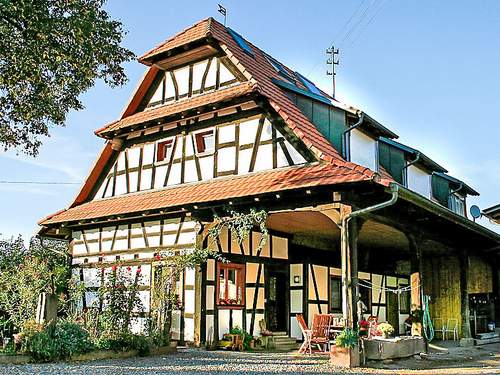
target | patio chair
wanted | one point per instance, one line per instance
(439, 327)
(309, 338)
(451, 327)
(322, 323)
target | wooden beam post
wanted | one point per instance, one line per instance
(416, 279)
(466, 336)
(354, 228)
(346, 260)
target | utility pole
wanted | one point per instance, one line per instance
(333, 59)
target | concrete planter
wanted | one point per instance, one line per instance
(14, 359)
(344, 357)
(93, 356)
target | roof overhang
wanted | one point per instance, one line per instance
(459, 185)
(493, 213)
(423, 160)
(447, 214)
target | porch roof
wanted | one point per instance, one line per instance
(304, 176)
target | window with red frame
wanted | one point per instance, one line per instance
(230, 284)
(205, 141)
(163, 150)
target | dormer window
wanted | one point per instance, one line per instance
(456, 203)
(163, 150)
(205, 141)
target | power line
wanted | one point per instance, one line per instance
(377, 11)
(39, 182)
(359, 21)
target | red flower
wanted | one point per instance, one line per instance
(138, 269)
(157, 256)
(129, 268)
(114, 268)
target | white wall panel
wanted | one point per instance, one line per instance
(363, 150)
(419, 181)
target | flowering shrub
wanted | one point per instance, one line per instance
(386, 329)
(119, 301)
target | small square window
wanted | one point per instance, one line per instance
(164, 148)
(205, 141)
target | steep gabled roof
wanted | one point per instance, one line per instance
(260, 75)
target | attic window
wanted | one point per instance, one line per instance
(164, 148)
(205, 141)
(241, 42)
(279, 68)
(308, 84)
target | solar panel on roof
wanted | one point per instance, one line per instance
(241, 42)
(310, 86)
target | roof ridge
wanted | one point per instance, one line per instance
(160, 45)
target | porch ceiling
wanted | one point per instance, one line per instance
(304, 222)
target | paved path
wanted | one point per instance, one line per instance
(194, 361)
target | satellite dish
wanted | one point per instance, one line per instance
(475, 212)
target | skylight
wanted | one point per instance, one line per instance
(310, 86)
(279, 68)
(241, 42)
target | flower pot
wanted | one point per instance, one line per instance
(344, 357)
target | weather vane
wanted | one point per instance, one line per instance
(222, 10)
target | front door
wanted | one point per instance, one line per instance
(276, 307)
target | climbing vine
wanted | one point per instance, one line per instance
(172, 263)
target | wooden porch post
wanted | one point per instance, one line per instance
(349, 268)
(354, 228)
(416, 279)
(466, 337)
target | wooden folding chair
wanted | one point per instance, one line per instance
(311, 335)
(321, 330)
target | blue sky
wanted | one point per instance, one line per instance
(428, 70)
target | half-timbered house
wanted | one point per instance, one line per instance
(353, 214)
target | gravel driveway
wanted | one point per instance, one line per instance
(193, 361)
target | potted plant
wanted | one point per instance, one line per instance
(386, 329)
(363, 325)
(345, 352)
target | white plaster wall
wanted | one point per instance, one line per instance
(419, 181)
(363, 150)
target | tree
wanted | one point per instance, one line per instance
(27, 272)
(51, 51)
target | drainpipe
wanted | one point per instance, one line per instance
(417, 158)
(361, 116)
(345, 238)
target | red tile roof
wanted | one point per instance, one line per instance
(332, 169)
(191, 34)
(215, 190)
(180, 106)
